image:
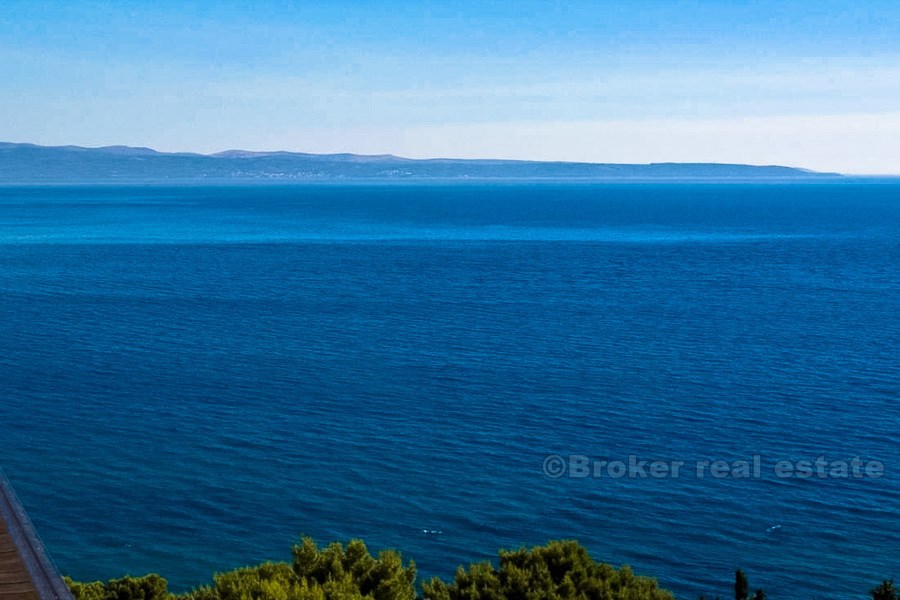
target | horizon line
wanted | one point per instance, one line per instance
(387, 155)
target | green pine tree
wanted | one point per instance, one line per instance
(885, 591)
(741, 586)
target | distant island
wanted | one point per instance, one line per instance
(30, 163)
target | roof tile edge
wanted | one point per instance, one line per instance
(44, 575)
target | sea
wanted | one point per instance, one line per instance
(194, 376)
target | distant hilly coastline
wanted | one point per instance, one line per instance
(30, 163)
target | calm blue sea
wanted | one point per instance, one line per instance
(191, 377)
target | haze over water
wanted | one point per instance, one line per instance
(192, 377)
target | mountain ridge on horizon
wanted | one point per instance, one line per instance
(26, 162)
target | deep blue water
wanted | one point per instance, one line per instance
(192, 377)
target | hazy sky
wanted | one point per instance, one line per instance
(804, 83)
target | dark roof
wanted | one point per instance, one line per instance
(26, 572)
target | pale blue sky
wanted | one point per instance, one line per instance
(813, 84)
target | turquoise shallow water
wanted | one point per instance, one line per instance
(192, 377)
